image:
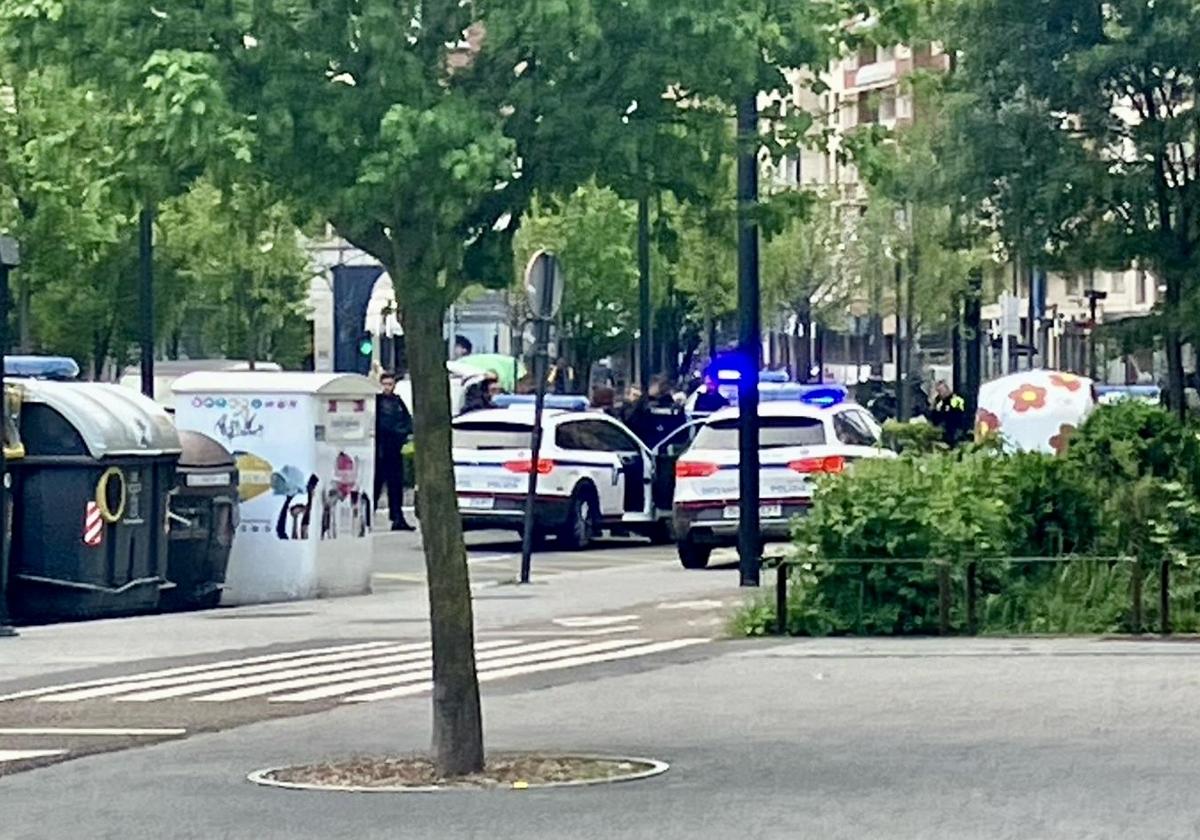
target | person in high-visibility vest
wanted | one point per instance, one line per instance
(949, 413)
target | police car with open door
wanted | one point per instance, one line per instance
(804, 432)
(593, 473)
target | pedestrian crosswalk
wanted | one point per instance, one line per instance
(348, 673)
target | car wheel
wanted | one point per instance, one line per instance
(694, 556)
(580, 528)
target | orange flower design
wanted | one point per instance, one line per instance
(986, 423)
(1059, 442)
(1028, 398)
(1066, 380)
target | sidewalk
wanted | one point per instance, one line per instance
(395, 614)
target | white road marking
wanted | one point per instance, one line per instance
(603, 631)
(331, 686)
(486, 675)
(692, 605)
(248, 684)
(511, 656)
(362, 673)
(22, 755)
(167, 684)
(99, 733)
(191, 669)
(582, 621)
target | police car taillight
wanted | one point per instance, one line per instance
(695, 469)
(544, 466)
(808, 466)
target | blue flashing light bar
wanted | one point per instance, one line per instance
(59, 368)
(555, 401)
(820, 396)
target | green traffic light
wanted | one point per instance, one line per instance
(366, 346)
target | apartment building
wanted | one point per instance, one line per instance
(868, 87)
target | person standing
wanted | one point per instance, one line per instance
(393, 427)
(949, 413)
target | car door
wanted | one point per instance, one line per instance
(582, 449)
(636, 469)
(857, 432)
(664, 457)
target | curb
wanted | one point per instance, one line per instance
(653, 767)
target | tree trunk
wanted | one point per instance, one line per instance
(457, 718)
(804, 328)
(1173, 345)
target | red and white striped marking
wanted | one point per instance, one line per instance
(93, 526)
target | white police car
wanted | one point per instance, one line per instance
(804, 432)
(593, 472)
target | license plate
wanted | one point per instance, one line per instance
(767, 511)
(476, 502)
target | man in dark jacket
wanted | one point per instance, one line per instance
(393, 426)
(655, 415)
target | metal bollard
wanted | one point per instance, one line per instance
(781, 572)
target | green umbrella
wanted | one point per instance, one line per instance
(506, 367)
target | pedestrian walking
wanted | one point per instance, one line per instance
(393, 427)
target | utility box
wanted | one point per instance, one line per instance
(304, 447)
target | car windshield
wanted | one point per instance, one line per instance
(773, 432)
(492, 435)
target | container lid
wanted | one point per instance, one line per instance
(41, 367)
(201, 451)
(111, 420)
(274, 382)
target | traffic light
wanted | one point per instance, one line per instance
(366, 344)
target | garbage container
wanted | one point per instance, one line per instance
(14, 450)
(304, 448)
(90, 502)
(203, 519)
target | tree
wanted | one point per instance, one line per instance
(242, 275)
(593, 231)
(421, 131)
(1106, 93)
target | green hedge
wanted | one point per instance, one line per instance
(1127, 487)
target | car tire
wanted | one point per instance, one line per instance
(694, 556)
(579, 530)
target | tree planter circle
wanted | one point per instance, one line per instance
(504, 771)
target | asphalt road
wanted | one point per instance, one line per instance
(900, 740)
(163, 678)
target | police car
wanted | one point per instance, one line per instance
(804, 432)
(593, 473)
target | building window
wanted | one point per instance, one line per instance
(885, 54)
(1118, 282)
(866, 55)
(887, 105)
(1072, 285)
(868, 109)
(1141, 290)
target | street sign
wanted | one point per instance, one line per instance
(544, 285)
(10, 252)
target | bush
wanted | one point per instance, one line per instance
(1054, 506)
(1129, 440)
(914, 438)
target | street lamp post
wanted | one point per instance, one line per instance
(10, 257)
(146, 296)
(749, 340)
(643, 258)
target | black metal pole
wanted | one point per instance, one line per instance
(973, 325)
(540, 359)
(1092, 298)
(146, 296)
(6, 629)
(898, 343)
(749, 340)
(644, 313)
